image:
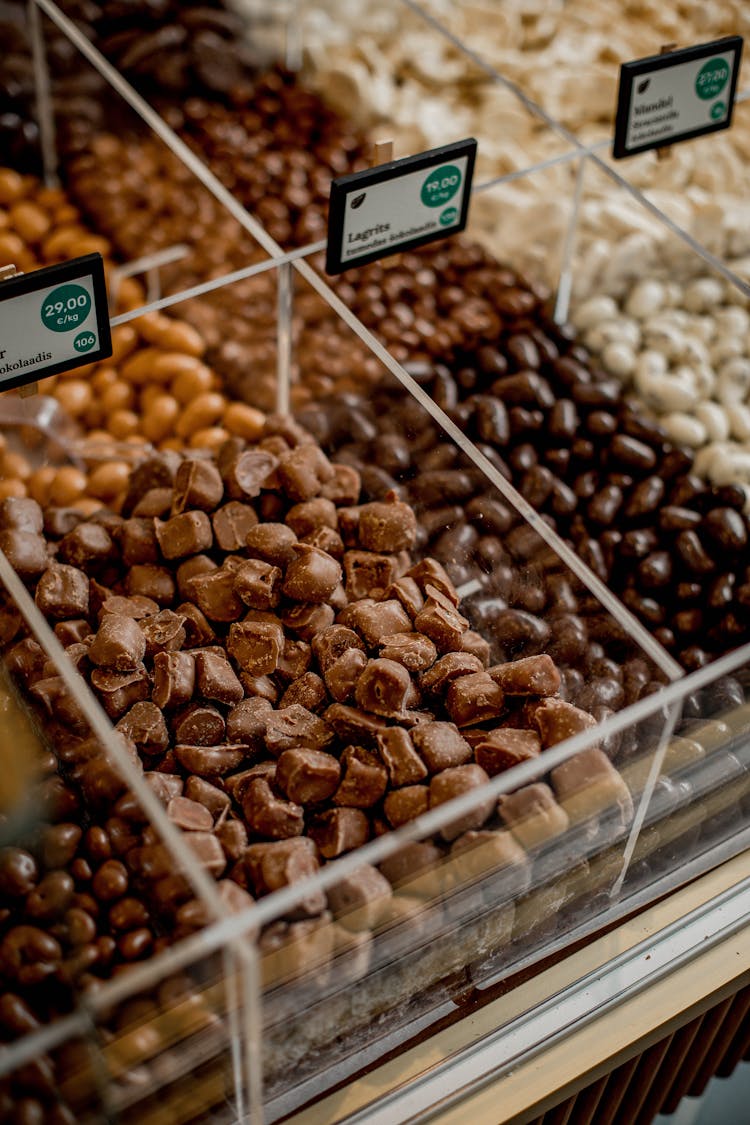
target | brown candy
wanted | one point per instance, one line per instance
(258, 584)
(499, 750)
(307, 776)
(215, 597)
(403, 805)
(174, 679)
(21, 514)
(367, 574)
(474, 699)
(256, 646)
(340, 830)
(557, 720)
(296, 726)
(119, 644)
(232, 524)
(442, 623)
(210, 761)
(26, 551)
(312, 575)
(63, 591)
(533, 815)
(448, 668)
(247, 474)
(365, 779)
(247, 721)
(281, 864)
(303, 471)
(144, 723)
(387, 526)
(216, 678)
(268, 815)
(197, 484)
(415, 651)
(189, 815)
(184, 534)
(404, 765)
(375, 620)
(534, 675)
(588, 784)
(86, 546)
(199, 725)
(453, 782)
(272, 543)
(163, 631)
(384, 688)
(362, 900)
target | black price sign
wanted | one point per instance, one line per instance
(399, 205)
(52, 320)
(677, 96)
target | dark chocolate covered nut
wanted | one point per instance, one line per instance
(189, 815)
(215, 760)
(367, 574)
(296, 726)
(498, 750)
(342, 676)
(119, 643)
(440, 745)
(474, 699)
(199, 725)
(557, 720)
(362, 900)
(246, 723)
(21, 514)
(86, 546)
(533, 815)
(19, 873)
(186, 534)
(28, 955)
(232, 524)
(588, 785)
(404, 765)
(365, 779)
(415, 651)
(25, 550)
(384, 688)
(149, 581)
(339, 830)
(268, 815)
(174, 679)
(312, 575)
(303, 472)
(256, 646)
(164, 632)
(258, 584)
(308, 776)
(215, 597)
(63, 591)
(403, 805)
(374, 620)
(247, 474)
(387, 526)
(216, 679)
(144, 723)
(198, 485)
(453, 782)
(532, 675)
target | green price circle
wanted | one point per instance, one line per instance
(448, 217)
(712, 78)
(84, 341)
(66, 308)
(441, 185)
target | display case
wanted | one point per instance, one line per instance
(450, 839)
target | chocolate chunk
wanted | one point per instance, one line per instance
(415, 651)
(342, 676)
(213, 799)
(215, 597)
(408, 593)
(474, 699)
(533, 675)
(231, 525)
(588, 784)
(312, 575)
(404, 765)
(63, 591)
(429, 572)
(448, 668)
(256, 646)
(208, 851)
(86, 546)
(498, 750)
(477, 854)
(367, 574)
(533, 815)
(441, 623)
(343, 487)
(197, 484)
(258, 584)
(216, 678)
(164, 632)
(165, 785)
(296, 726)
(119, 643)
(174, 679)
(120, 690)
(384, 688)
(440, 745)
(303, 471)
(308, 620)
(311, 515)
(144, 723)
(268, 815)
(403, 805)
(247, 721)
(331, 643)
(137, 541)
(210, 761)
(387, 526)
(26, 551)
(189, 815)
(199, 725)
(280, 864)
(137, 607)
(185, 534)
(557, 720)
(308, 690)
(365, 779)
(362, 900)
(154, 502)
(308, 776)
(247, 474)
(453, 782)
(374, 620)
(21, 514)
(272, 543)
(149, 581)
(339, 830)
(198, 632)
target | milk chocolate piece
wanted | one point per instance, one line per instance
(246, 475)
(588, 784)
(362, 900)
(190, 569)
(404, 765)
(312, 575)
(258, 584)
(21, 514)
(247, 722)
(120, 690)
(375, 620)
(154, 502)
(197, 484)
(500, 749)
(210, 761)
(151, 582)
(311, 515)
(86, 546)
(533, 815)
(119, 643)
(232, 524)
(442, 624)
(407, 591)
(440, 745)
(353, 724)
(280, 864)
(384, 688)
(474, 699)
(216, 678)
(329, 644)
(339, 830)
(272, 543)
(429, 572)
(26, 551)
(309, 691)
(174, 679)
(215, 597)
(63, 591)
(307, 776)
(475, 644)
(451, 783)
(164, 632)
(343, 487)
(403, 805)
(448, 668)
(295, 660)
(144, 723)
(138, 607)
(137, 541)
(189, 815)
(233, 837)
(256, 646)
(268, 815)
(208, 851)
(303, 471)
(533, 675)
(387, 526)
(198, 632)
(365, 778)
(367, 574)
(199, 725)
(557, 720)
(415, 651)
(478, 853)
(308, 620)
(165, 785)
(296, 726)
(342, 676)
(185, 534)
(215, 800)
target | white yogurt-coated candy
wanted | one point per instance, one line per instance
(594, 310)
(705, 379)
(704, 327)
(693, 351)
(684, 429)
(733, 383)
(714, 420)
(646, 298)
(725, 347)
(702, 294)
(730, 467)
(704, 459)
(739, 421)
(732, 320)
(619, 360)
(665, 336)
(666, 393)
(672, 294)
(649, 364)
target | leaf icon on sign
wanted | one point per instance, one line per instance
(358, 200)
(643, 86)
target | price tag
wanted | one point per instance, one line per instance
(676, 97)
(52, 320)
(399, 205)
